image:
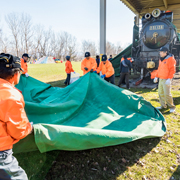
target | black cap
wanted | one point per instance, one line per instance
(164, 49)
(104, 57)
(124, 56)
(25, 55)
(68, 57)
(9, 61)
(87, 54)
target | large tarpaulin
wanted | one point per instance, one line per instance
(90, 113)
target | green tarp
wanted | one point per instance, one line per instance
(116, 60)
(90, 113)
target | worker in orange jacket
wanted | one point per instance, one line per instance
(107, 70)
(68, 70)
(165, 73)
(24, 65)
(14, 124)
(88, 64)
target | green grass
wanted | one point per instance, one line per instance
(52, 73)
(157, 158)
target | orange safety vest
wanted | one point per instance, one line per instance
(68, 68)
(90, 64)
(14, 124)
(24, 66)
(167, 68)
(106, 69)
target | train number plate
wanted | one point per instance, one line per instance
(157, 27)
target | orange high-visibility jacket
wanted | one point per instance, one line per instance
(106, 69)
(14, 124)
(24, 66)
(90, 64)
(127, 59)
(166, 69)
(68, 68)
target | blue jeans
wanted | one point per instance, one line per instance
(9, 168)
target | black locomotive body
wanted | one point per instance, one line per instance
(157, 31)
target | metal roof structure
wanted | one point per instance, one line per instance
(141, 7)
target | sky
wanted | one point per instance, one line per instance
(80, 18)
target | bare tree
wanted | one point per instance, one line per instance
(26, 32)
(118, 48)
(53, 44)
(37, 38)
(70, 44)
(4, 43)
(110, 48)
(60, 46)
(89, 46)
(13, 22)
(41, 41)
(72, 51)
(45, 43)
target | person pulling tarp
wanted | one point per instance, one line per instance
(107, 70)
(24, 65)
(88, 64)
(14, 124)
(68, 69)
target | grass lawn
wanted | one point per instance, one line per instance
(148, 159)
(52, 73)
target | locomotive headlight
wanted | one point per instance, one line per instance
(156, 13)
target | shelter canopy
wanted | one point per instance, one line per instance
(142, 7)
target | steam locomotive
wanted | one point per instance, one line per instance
(157, 31)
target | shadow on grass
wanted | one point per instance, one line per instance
(36, 164)
(176, 100)
(166, 110)
(102, 163)
(156, 100)
(176, 174)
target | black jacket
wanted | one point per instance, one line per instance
(125, 65)
(97, 61)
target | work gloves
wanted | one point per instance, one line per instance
(155, 80)
(27, 75)
(168, 82)
(95, 71)
(86, 68)
(103, 76)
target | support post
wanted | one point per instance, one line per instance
(102, 26)
(137, 20)
(165, 3)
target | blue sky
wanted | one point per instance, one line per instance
(78, 17)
